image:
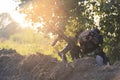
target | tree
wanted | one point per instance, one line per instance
(7, 26)
(110, 23)
(70, 12)
(109, 14)
(74, 15)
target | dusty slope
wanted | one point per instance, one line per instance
(40, 67)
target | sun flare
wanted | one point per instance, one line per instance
(9, 6)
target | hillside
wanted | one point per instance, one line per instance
(40, 67)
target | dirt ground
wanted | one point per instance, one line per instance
(40, 67)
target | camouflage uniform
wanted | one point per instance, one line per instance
(89, 40)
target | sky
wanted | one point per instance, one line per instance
(9, 6)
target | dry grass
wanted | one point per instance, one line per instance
(41, 67)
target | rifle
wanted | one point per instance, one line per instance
(60, 34)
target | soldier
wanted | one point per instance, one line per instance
(89, 40)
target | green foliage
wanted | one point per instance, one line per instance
(27, 42)
(109, 14)
(80, 14)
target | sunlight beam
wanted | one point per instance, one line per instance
(10, 6)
